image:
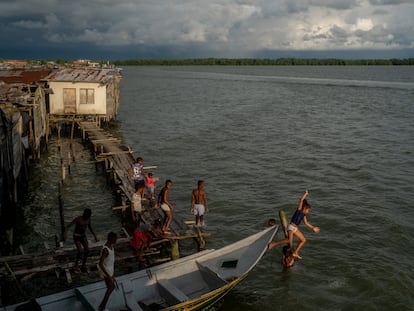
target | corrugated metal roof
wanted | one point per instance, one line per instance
(17, 93)
(23, 75)
(96, 75)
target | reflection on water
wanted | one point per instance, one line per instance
(84, 187)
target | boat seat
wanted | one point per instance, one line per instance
(128, 291)
(210, 277)
(170, 292)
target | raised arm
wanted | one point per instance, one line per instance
(303, 197)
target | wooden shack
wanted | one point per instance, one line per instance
(85, 91)
(23, 125)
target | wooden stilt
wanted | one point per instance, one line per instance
(175, 251)
(46, 245)
(62, 219)
(68, 276)
(63, 176)
(284, 223)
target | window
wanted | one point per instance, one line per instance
(87, 96)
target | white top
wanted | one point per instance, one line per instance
(136, 202)
(108, 262)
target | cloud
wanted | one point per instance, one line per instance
(219, 28)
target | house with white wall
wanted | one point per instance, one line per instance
(84, 92)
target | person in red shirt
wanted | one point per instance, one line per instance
(142, 237)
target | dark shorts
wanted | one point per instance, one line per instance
(79, 238)
(139, 183)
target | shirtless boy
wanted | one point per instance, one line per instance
(79, 237)
(199, 204)
(166, 206)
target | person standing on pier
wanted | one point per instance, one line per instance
(136, 205)
(106, 267)
(150, 181)
(199, 204)
(136, 172)
(165, 204)
(142, 237)
(79, 237)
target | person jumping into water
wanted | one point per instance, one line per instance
(293, 228)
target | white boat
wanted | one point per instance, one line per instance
(194, 282)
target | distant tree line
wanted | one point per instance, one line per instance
(263, 62)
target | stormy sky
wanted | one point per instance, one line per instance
(124, 29)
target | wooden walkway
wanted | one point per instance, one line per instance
(117, 159)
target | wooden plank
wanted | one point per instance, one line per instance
(126, 232)
(104, 154)
(109, 139)
(68, 276)
(150, 167)
(122, 207)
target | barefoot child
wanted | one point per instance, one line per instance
(106, 267)
(150, 181)
(292, 228)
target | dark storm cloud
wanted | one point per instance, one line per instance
(218, 28)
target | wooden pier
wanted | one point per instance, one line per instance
(117, 159)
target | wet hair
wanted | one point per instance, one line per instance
(87, 212)
(271, 222)
(112, 236)
(305, 204)
(200, 182)
(287, 250)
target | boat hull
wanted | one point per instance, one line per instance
(195, 282)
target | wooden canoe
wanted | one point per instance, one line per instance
(194, 282)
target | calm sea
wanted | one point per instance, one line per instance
(260, 136)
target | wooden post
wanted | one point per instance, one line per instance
(72, 131)
(175, 251)
(15, 191)
(62, 219)
(283, 221)
(68, 276)
(63, 172)
(47, 130)
(69, 162)
(73, 153)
